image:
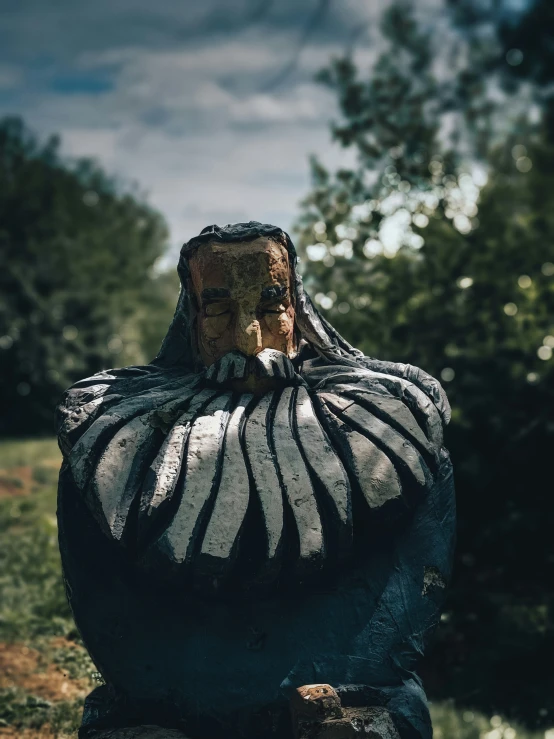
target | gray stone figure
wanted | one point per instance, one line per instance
(256, 528)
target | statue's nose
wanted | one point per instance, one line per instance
(248, 335)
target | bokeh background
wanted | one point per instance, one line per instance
(408, 147)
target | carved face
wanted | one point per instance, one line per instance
(243, 294)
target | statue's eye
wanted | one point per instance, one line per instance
(272, 308)
(216, 309)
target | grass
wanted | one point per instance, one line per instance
(17, 453)
(32, 600)
(45, 672)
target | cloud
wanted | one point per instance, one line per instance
(10, 76)
(64, 28)
(81, 141)
(174, 96)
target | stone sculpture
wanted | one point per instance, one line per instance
(259, 510)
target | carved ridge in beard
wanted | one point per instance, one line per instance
(285, 471)
(219, 488)
(269, 363)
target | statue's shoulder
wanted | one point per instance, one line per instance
(416, 378)
(403, 396)
(90, 398)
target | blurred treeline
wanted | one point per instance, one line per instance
(436, 249)
(79, 289)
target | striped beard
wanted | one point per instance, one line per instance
(213, 488)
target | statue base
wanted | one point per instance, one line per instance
(316, 713)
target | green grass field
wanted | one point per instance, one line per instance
(45, 671)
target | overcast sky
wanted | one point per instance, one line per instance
(183, 96)
(187, 97)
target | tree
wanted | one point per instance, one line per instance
(436, 250)
(520, 47)
(76, 276)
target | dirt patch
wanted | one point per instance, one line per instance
(22, 667)
(16, 481)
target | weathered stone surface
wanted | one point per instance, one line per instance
(367, 464)
(402, 452)
(244, 295)
(396, 414)
(339, 728)
(325, 464)
(372, 722)
(275, 364)
(298, 452)
(260, 508)
(219, 546)
(232, 365)
(77, 420)
(356, 723)
(162, 477)
(419, 403)
(85, 450)
(266, 480)
(317, 713)
(119, 473)
(297, 487)
(203, 463)
(315, 703)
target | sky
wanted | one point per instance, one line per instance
(209, 106)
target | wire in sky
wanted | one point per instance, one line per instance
(314, 20)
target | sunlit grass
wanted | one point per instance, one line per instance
(17, 453)
(34, 614)
(32, 600)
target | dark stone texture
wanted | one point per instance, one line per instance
(222, 550)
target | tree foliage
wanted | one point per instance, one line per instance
(76, 280)
(519, 47)
(437, 250)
